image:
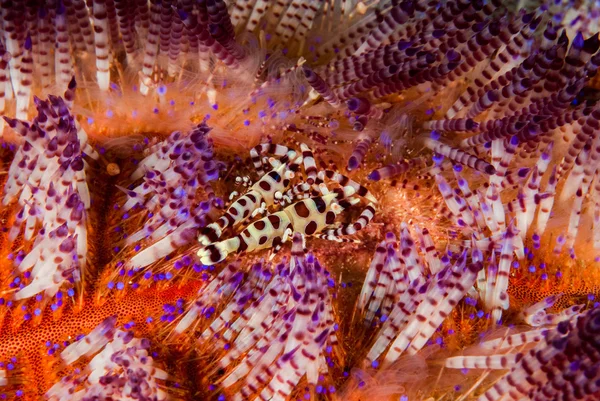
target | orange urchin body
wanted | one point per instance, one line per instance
(29, 342)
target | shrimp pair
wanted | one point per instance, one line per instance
(310, 206)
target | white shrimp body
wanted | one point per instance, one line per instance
(308, 217)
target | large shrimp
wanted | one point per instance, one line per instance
(269, 190)
(308, 216)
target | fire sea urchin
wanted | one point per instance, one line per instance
(299, 200)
